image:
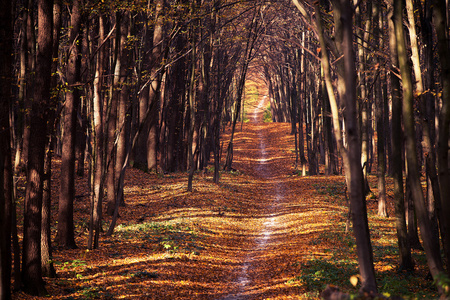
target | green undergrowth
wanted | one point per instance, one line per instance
(335, 263)
(174, 238)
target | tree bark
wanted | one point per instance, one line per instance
(6, 43)
(66, 234)
(31, 260)
(433, 254)
(406, 262)
(440, 23)
(155, 86)
(352, 153)
(98, 156)
(356, 179)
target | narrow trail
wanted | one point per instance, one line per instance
(268, 238)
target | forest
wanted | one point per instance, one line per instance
(193, 132)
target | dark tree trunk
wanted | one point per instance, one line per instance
(433, 254)
(406, 262)
(155, 86)
(6, 42)
(48, 269)
(31, 260)
(111, 131)
(122, 93)
(441, 25)
(353, 170)
(30, 79)
(66, 235)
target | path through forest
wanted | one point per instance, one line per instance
(274, 238)
(249, 237)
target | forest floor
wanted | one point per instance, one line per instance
(263, 232)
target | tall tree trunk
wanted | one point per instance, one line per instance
(30, 79)
(98, 156)
(352, 154)
(433, 254)
(192, 111)
(112, 129)
(66, 235)
(353, 170)
(48, 269)
(6, 42)
(380, 121)
(155, 86)
(406, 262)
(364, 103)
(121, 87)
(31, 260)
(440, 23)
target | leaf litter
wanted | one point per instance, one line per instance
(261, 233)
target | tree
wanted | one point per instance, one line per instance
(433, 254)
(355, 182)
(440, 21)
(352, 153)
(31, 260)
(66, 235)
(46, 236)
(6, 42)
(406, 262)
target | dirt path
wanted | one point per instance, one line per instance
(265, 260)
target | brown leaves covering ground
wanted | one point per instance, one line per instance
(245, 238)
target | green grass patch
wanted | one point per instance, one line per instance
(170, 237)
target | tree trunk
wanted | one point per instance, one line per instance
(112, 132)
(6, 42)
(352, 154)
(353, 170)
(66, 235)
(406, 262)
(155, 86)
(30, 79)
(48, 269)
(98, 147)
(380, 121)
(433, 254)
(31, 260)
(440, 23)
(122, 90)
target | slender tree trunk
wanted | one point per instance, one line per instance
(353, 170)
(352, 154)
(66, 235)
(112, 132)
(440, 23)
(6, 42)
(380, 121)
(192, 113)
(433, 254)
(98, 156)
(30, 79)
(406, 262)
(122, 90)
(31, 260)
(48, 269)
(155, 86)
